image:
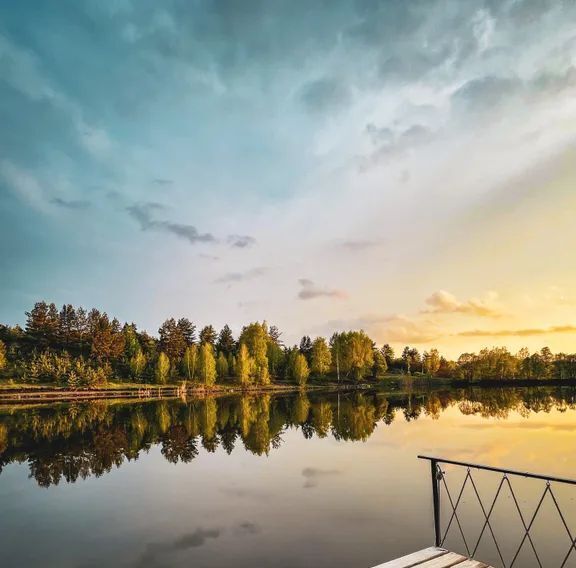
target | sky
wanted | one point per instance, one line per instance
(404, 167)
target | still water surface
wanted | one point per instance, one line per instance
(285, 481)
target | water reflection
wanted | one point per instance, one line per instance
(75, 441)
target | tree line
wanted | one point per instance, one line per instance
(74, 347)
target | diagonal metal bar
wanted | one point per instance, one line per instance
(454, 509)
(487, 518)
(572, 540)
(572, 547)
(527, 528)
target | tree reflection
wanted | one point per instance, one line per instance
(75, 441)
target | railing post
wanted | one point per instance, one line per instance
(436, 498)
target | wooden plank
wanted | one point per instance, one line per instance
(433, 558)
(444, 561)
(414, 559)
(472, 564)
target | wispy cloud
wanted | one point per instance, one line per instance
(70, 203)
(391, 144)
(528, 332)
(232, 277)
(326, 94)
(443, 302)
(309, 291)
(240, 241)
(162, 181)
(143, 213)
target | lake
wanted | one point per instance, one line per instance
(291, 480)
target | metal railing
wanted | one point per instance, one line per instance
(453, 501)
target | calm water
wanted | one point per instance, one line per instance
(285, 481)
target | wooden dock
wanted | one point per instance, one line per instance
(433, 558)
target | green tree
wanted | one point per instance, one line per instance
(207, 365)
(274, 333)
(388, 353)
(231, 364)
(548, 361)
(320, 358)
(66, 325)
(407, 359)
(352, 354)
(162, 368)
(131, 344)
(306, 347)
(255, 337)
(172, 340)
(208, 335)
(431, 362)
(190, 361)
(42, 323)
(137, 364)
(107, 339)
(274, 352)
(380, 366)
(300, 370)
(222, 366)
(187, 329)
(225, 342)
(244, 365)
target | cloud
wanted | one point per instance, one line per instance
(391, 144)
(380, 134)
(190, 540)
(143, 214)
(162, 182)
(555, 82)
(401, 329)
(22, 183)
(232, 277)
(310, 291)
(392, 328)
(240, 241)
(324, 95)
(443, 302)
(312, 475)
(486, 93)
(528, 332)
(70, 203)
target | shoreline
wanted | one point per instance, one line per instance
(15, 394)
(26, 393)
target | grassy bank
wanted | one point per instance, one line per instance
(23, 392)
(13, 392)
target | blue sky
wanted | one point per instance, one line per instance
(396, 166)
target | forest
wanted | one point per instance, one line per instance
(77, 348)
